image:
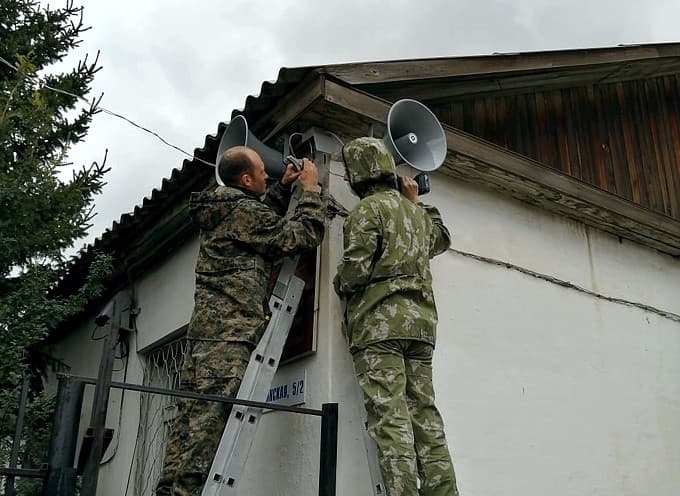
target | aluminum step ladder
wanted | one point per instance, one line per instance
(239, 433)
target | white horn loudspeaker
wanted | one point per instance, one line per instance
(415, 137)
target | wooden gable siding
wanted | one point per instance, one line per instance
(623, 138)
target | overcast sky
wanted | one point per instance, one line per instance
(181, 67)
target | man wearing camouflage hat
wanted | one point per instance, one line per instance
(241, 237)
(385, 278)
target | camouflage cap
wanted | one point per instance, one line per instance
(368, 161)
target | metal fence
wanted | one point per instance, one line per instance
(13, 471)
(59, 474)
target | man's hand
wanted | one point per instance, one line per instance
(309, 177)
(290, 176)
(409, 188)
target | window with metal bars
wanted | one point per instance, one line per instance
(157, 412)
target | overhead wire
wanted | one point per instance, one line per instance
(145, 129)
(114, 114)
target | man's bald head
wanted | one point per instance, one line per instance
(235, 162)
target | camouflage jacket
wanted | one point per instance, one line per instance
(384, 274)
(241, 237)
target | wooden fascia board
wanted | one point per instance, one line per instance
(435, 91)
(290, 106)
(404, 70)
(479, 161)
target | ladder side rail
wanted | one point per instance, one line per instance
(239, 432)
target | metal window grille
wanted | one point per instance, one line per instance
(162, 368)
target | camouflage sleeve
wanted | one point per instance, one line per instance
(361, 239)
(274, 236)
(441, 238)
(277, 197)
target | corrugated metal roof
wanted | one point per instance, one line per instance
(192, 172)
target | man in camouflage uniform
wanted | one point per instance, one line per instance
(241, 236)
(385, 278)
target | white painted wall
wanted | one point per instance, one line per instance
(545, 389)
(166, 295)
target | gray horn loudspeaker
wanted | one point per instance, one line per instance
(414, 136)
(237, 134)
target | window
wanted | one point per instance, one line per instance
(157, 412)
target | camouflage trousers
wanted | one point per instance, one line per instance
(210, 367)
(396, 379)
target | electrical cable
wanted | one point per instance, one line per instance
(290, 143)
(142, 364)
(126, 358)
(94, 329)
(342, 143)
(114, 448)
(155, 134)
(110, 112)
(134, 451)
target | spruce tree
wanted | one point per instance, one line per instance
(46, 204)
